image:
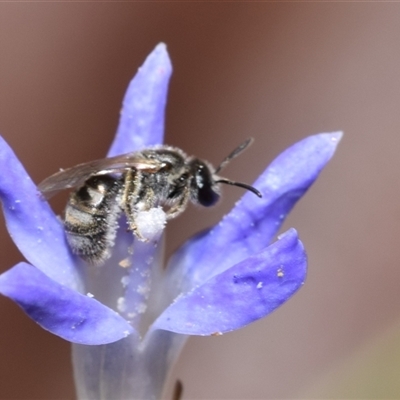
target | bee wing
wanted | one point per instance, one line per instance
(77, 175)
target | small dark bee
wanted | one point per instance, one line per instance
(132, 183)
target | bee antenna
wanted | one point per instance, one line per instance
(240, 184)
(234, 154)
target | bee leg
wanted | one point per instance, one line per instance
(146, 202)
(137, 233)
(131, 190)
(132, 203)
(180, 206)
(130, 194)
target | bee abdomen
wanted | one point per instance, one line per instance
(91, 219)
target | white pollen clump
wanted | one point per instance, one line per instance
(141, 308)
(88, 294)
(121, 304)
(143, 290)
(150, 224)
(125, 281)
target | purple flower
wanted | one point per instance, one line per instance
(129, 318)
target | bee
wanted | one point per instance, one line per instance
(129, 184)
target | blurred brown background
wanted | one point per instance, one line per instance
(274, 71)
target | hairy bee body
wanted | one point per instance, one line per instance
(132, 183)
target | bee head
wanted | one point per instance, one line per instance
(205, 182)
(204, 188)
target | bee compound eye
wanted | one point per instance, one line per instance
(207, 197)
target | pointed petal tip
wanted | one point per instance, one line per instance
(142, 117)
(337, 136)
(159, 56)
(328, 141)
(291, 233)
(161, 48)
(334, 137)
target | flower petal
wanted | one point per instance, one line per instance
(251, 225)
(142, 117)
(242, 294)
(125, 369)
(60, 310)
(34, 228)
